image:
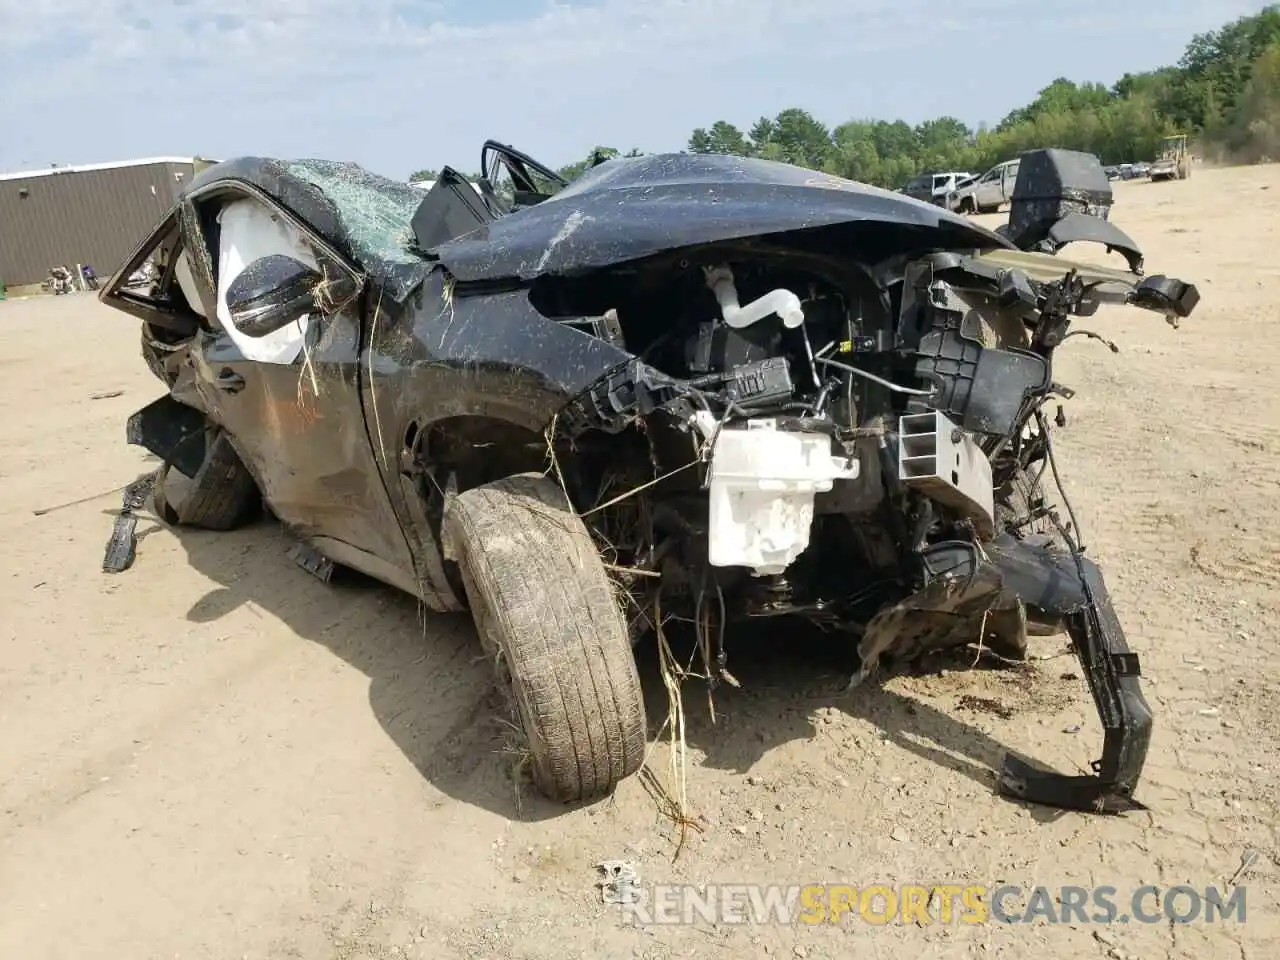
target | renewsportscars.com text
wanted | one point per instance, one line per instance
(880, 904)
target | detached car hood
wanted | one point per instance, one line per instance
(631, 208)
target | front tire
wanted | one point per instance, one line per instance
(550, 619)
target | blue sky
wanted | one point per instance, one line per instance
(396, 85)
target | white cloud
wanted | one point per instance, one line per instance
(85, 80)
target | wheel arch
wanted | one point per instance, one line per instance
(475, 449)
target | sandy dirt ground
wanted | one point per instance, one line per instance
(215, 755)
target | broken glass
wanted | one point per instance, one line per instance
(375, 211)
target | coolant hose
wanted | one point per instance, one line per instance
(782, 302)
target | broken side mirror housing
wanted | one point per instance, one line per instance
(274, 291)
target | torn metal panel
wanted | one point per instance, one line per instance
(1114, 675)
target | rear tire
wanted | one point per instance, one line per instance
(549, 618)
(221, 496)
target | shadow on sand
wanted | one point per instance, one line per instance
(431, 691)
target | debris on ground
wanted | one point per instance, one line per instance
(619, 881)
(1247, 860)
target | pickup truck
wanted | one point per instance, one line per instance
(987, 193)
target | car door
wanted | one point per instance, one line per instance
(148, 285)
(987, 192)
(156, 286)
(1010, 179)
(291, 403)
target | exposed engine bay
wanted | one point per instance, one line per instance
(859, 443)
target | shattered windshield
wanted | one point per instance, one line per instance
(375, 211)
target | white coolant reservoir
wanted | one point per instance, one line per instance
(762, 482)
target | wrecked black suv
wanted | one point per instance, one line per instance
(705, 387)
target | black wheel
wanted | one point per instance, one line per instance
(551, 621)
(221, 496)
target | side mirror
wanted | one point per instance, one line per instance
(274, 291)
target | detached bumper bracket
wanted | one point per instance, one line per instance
(1113, 673)
(122, 546)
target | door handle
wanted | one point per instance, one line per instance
(229, 381)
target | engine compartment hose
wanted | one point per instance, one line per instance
(887, 384)
(781, 301)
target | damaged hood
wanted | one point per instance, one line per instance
(628, 209)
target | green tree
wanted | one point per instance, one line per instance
(1061, 96)
(854, 154)
(721, 138)
(596, 156)
(1225, 90)
(1218, 65)
(1255, 130)
(793, 136)
(894, 138)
